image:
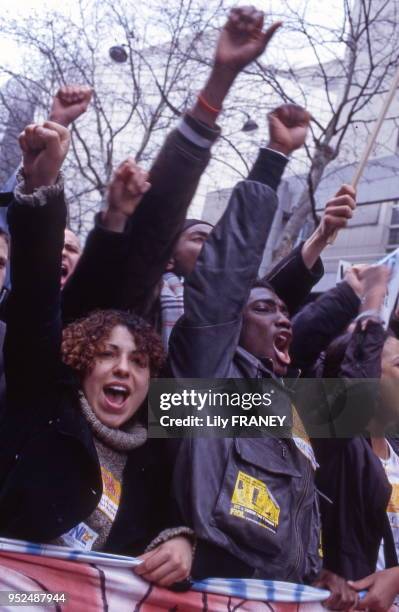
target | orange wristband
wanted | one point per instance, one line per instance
(207, 106)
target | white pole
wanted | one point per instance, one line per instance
(372, 138)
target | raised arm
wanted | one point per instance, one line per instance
(330, 315)
(205, 339)
(126, 252)
(294, 276)
(68, 104)
(146, 241)
(100, 277)
(37, 219)
(322, 321)
(291, 278)
(354, 358)
(365, 361)
(288, 128)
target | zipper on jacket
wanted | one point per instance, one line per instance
(283, 448)
(305, 490)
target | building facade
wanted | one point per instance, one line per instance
(374, 229)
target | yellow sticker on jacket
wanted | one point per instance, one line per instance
(321, 553)
(393, 504)
(109, 502)
(253, 502)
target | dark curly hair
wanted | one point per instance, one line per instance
(83, 339)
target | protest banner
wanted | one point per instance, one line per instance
(392, 262)
(99, 582)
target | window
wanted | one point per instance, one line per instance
(393, 236)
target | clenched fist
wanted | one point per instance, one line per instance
(69, 103)
(242, 40)
(125, 191)
(44, 148)
(288, 127)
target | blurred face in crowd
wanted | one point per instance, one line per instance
(117, 384)
(3, 260)
(188, 248)
(389, 406)
(266, 332)
(70, 255)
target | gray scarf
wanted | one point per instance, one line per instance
(132, 436)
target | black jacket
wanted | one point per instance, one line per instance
(290, 278)
(318, 323)
(50, 477)
(204, 344)
(351, 475)
(123, 270)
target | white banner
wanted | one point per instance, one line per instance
(392, 262)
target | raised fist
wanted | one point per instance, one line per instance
(69, 103)
(44, 148)
(288, 127)
(125, 191)
(242, 39)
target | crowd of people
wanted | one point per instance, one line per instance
(153, 293)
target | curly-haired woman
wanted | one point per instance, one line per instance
(76, 467)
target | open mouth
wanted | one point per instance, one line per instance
(281, 345)
(64, 271)
(116, 395)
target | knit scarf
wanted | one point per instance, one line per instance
(132, 436)
(112, 446)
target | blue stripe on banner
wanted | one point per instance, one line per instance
(235, 587)
(270, 589)
(244, 589)
(33, 549)
(300, 588)
(74, 555)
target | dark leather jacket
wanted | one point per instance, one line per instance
(280, 538)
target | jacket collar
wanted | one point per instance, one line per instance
(252, 367)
